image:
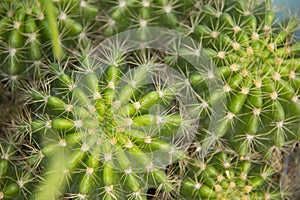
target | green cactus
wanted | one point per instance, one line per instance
(114, 127)
(123, 15)
(106, 131)
(28, 29)
(225, 175)
(16, 179)
(257, 63)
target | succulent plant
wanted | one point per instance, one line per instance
(123, 15)
(107, 130)
(15, 178)
(225, 175)
(28, 29)
(122, 123)
(257, 63)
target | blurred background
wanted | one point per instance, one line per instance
(287, 8)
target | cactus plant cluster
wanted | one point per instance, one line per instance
(143, 123)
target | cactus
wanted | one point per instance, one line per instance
(16, 179)
(29, 28)
(123, 15)
(225, 175)
(257, 63)
(107, 131)
(114, 127)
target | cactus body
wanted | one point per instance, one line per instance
(30, 28)
(257, 65)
